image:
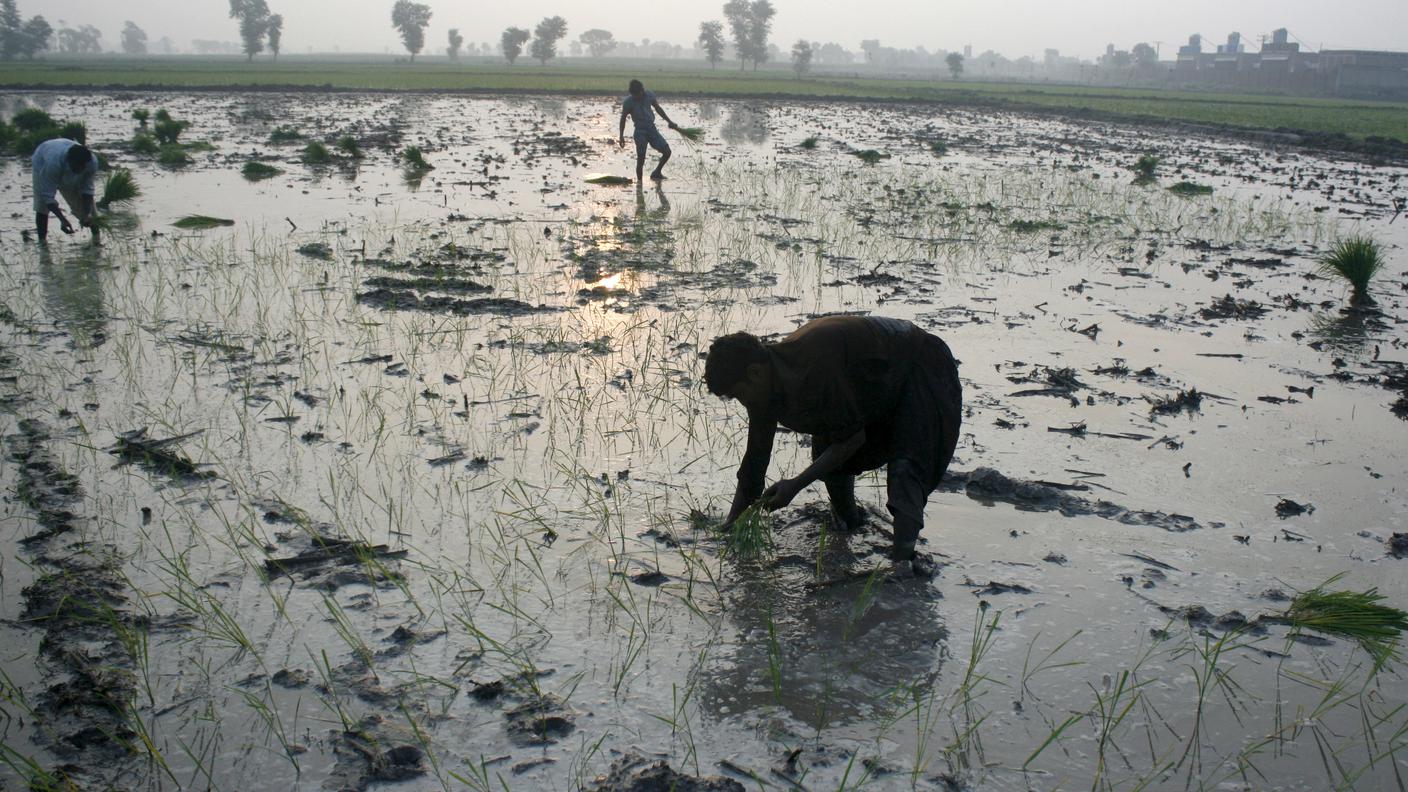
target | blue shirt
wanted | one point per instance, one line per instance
(642, 112)
(52, 173)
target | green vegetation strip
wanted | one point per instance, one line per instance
(201, 222)
(1358, 120)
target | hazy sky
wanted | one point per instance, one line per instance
(1012, 27)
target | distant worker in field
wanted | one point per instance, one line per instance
(871, 391)
(67, 167)
(641, 106)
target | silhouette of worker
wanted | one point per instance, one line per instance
(871, 391)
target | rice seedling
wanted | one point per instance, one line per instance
(415, 159)
(870, 156)
(349, 146)
(691, 134)
(315, 153)
(168, 129)
(810, 142)
(938, 147)
(1144, 168)
(750, 536)
(1187, 189)
(74, 130)
(119, 187)
(201, 222)
(285, 134)
(173, 155)
(1358, 616)
(143, 143)
(1356, 259)
(141, 115)
(607, 179)
(258, 171)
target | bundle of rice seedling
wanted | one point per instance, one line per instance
(691, 134)
(810, 143)
(870, 156)
(201, 222)
(141, 115)
(1359, 616)
(143, 143)
(173, 155)
(119, 187)
(284, 134)
(257, 171)
(1189, 189)
(316, 153)
(348, 145)
(750, 535)
(1356, 259)
(415, 159)
(608, 179)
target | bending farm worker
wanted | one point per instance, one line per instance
(871, 392)
(641, 106)
(63, 166)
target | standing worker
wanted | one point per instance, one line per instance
(642, 106)
(871, 391)
(67, 167)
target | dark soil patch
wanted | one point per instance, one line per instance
(635, 773)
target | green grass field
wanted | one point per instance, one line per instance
(1356, 119)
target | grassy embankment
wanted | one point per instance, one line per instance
(1357, 120)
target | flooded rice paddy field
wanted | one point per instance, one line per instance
(405, 479)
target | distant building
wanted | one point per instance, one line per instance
(1281, 66)
(1366, 74)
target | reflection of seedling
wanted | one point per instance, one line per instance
(257, 171)
(1356, 259)
(415, 159)
(1189, 189)
(751, 534)
(316, 153)
(1144, 168)
(119, 187)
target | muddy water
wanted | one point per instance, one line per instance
(412, 500)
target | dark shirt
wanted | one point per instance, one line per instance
(832, 377)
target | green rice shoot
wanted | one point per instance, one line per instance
(691, 134)
(810, 143)
(118, 188)
(870, 156)
(1359, 616)
(316, 153)
(1145, 168)
(1357, 259)
(349, 146)
(750, 536)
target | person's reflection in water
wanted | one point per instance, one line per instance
(72, 284)
(829, 649)
(657, 215)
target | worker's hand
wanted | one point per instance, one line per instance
(65, 226)
(673, 125)
(621, 142)
(780, 494)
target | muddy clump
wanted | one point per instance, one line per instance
(988, 485)
(1229, 307)
(368, 754)
(158, 455)
(635, 773)
(540, 721)
(406, 300)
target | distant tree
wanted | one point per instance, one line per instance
(253, 16)
(955, 64)
(512, 41)
(18, 37)
(711, 40)
(870, 47)
(35, 36)
(598, 42)
(1145, 56)
(545, 38)
(739, 15)
(802, 58)
(84, 40)
(165, 46)
(276, 33)
(760, 14)
(411, 19)
(456, 41)
(134, 39)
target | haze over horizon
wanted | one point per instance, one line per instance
(1080, 28)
